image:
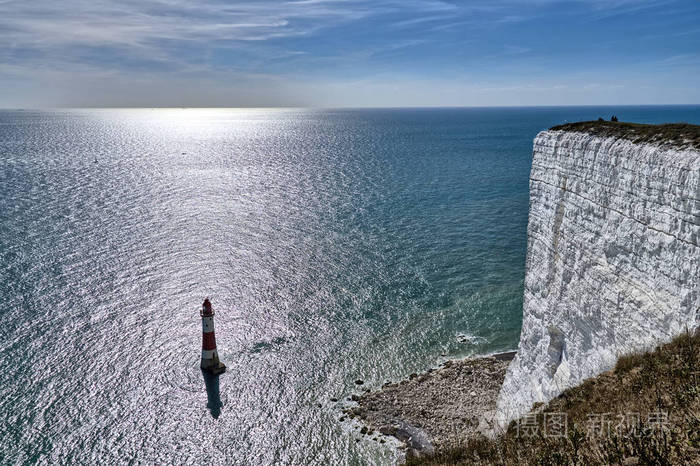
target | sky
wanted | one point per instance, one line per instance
(348, 53)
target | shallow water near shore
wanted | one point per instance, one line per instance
(335, 245)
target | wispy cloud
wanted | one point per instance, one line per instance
(128, 22)
(684, 59)
(176, 32)
(159, 29)
(221, 44)
(609, 8)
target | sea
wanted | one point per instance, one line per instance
(335, 245)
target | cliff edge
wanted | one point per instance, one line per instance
(613, 262)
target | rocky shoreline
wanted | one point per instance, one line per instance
(436, 409)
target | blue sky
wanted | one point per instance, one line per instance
(348, 52)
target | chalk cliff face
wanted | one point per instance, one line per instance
(613, 262)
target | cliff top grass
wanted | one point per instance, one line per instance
(676, 134)
(645, 411)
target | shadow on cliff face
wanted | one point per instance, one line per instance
(555, 351)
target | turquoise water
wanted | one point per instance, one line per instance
(335, 245)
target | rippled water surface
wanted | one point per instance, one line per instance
(335, 245)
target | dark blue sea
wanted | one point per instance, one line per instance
(335, 245)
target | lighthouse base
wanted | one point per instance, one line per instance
(213, 367)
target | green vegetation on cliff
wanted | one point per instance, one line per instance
(645, 411)
(677, 134)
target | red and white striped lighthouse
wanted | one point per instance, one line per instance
(210, 357)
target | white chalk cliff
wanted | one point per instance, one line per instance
(613, 262)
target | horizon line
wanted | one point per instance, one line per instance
(294, 107)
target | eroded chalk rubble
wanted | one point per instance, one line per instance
(438, 408)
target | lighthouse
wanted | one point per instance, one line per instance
(210, 357)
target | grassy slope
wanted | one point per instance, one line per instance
(677, 134)
(666, 380)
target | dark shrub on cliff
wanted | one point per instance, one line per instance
(675, 134)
